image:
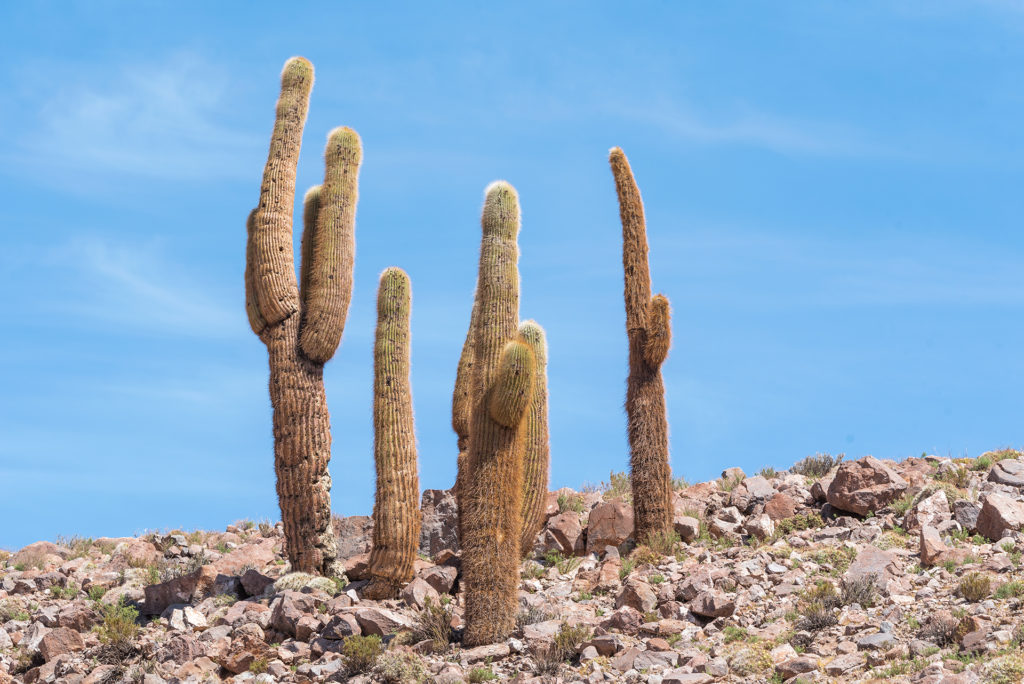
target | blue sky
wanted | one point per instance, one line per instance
(834, 205)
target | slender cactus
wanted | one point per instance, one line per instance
(503, 371)
(647, 325)
(276, 306)
(396, 512)
(536, 450)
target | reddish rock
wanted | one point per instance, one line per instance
(354, 533)
(254, 582)
(999, 514)
(59, 641)
(636, 594)
(564, 534)
(180, 648)
(797, 666)
(712, 604)
(865, 485)
(780, 507)
(687, 527)
(256, 555)
(610, 524)
(440, 577)
(288, 608)
(381, 621)
(418, 592)
(357, 567)
(438, 531)
(1008, 472)
(934, 551)
(930, 511)
(178, 590)
(626, 620)
(77, 616)
(247, 644)
(136, 553)
(341, 626)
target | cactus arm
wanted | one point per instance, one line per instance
(310, 211)
(513, 385)
(273, 272)
(659, 331)
(462, 405)
(333, 252)
(252, 310)
(396, 515)
(536, 448)
(634, 243)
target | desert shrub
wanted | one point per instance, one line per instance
(975, 586)
(532, 570)
(804, 521)
(940, 629)
(860, 590)
(297, 581)
(258, 666)
(618, 487)
(680, 483)
(481, 674)
(96, 592)
(570, 502)
(399, 667)
(1007, 669)
(435, 623)
(751, 661)
(117, 630)
(78, 546)
(1013, 589)
(361, 652)
(645, 555)
(958, 476)
(662, 543)
(825, 593)
(627, 567)
(733, 633)
(727, 484)
(532, 615)
(550, 656)
(12, 610)
(33, 559)
(66, 592)
(816, 466)
(816, 617)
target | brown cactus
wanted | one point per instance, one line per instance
(647, 325)
(396, 512)
(536, 449)
(502, 384)
(276, 306)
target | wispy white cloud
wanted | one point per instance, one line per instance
(138, 288)
(166, 120)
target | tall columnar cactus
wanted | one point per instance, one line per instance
(536, 451)
(462, 405)
(502, 378)
(396, 512)
(302, 326)
(647, 325)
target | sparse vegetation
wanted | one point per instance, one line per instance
(435, 623)
(481, 674)
(816, 617)
(816, 466)
(975, 586)
(361, 652)
(570, 502)
(860, 590)
(117, 631)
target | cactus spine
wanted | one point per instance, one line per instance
(502, 382)
(647, 325)
(536, 451)
(396, 513)
(276, 306)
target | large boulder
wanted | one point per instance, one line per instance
(1008, 472)
(751, 492)
(864, 486)
(999, 514)
(610, 524)
(354, 533)
(930, 511)
(440, 522)
(564, 534)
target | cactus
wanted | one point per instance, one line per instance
(281, 313)
(502, 378)
(535, 449)
(462, 403)
(396, 512)
(647, 325)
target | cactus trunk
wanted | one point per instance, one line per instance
(536, 450)
(396, 514)
(502, 379)
(647, 326)
(281, 313)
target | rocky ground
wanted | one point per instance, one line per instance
(854, 571)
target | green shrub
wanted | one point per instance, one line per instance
(481, 674)
(825, 593)
(662, 543)
(399, 667)
(435, 623)
(12, 610)
(816, 617)
(618, 487)
(816, 466)
(1014, 589)
(117, 630)
(860, 590)
(361, 652)
(975, 586)
(570, 502)
(804, 521)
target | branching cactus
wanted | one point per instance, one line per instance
(462, 404)
(536, 450)
(396, 511)
(647, 325)
(502, 378)
(302, 326)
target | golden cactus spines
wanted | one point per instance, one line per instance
(273, 274)
(462, 404)
(502, 376)
(647, 326)
(325, 306)
(274, 304)
(396, 513)
(536, 447)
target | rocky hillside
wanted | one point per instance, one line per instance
(849, 571)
